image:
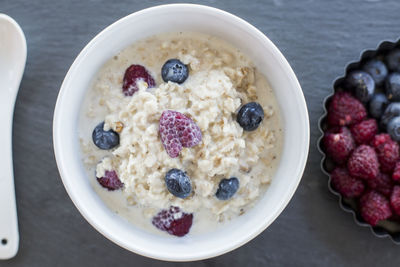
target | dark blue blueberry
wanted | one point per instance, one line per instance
(377, 105)
(104, 139)
(392, 87)
(393, 110)
(178, 183)
(250, 116)
(377, 69)
(392, 60)
(227, 188)
(362, 84)
(175, 71)
(393, 128)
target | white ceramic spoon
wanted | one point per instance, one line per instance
(12, 64)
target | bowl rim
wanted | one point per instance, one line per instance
(231, 246)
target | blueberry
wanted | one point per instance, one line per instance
(393, 60)
(377, 69)
(377, 105)
(104, 139)
(175, 71)
(362, 84)
(392, 86)
(393, 128)
(227, 188)
(250, 116)
(178, 183)
(393, 110)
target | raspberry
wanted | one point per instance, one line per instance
(133, 74)
(396, 172)
(382, 184)
(363, 163)
(177, 131)
(173, 221)
(374, 207)
(345, 184)
(110, 181)
(364, 131)
(338, 144)
(345, 110)
(387, 151)
(395, 199)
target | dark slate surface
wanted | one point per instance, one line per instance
(318, 38)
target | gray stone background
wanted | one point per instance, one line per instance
(317, 37)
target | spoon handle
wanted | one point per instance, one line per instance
(9, 237)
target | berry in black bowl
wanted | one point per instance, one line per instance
(393, 86)
(362, 85)
(393, 128)
(377, 105)
(377, 69)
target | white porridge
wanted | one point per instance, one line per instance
(220, 81)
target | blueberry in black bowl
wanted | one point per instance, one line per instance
(393, 110)
(362, 84)
(104, 139)
(392, 86)
(377, 105)
(392, 60)
(175, 71)
(393, 128)
(377, 69)
(250, 116)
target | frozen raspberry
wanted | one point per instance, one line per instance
(345, 110)
(374, 207)
(395, 199)
(177, 131)
(345, 184)
(110, 181)
(382, 184)
(133, 74)
(364, 131)
(338, 144)
(396, 172)
(363, 163)
(173, 221)
(387, 151)
(380, 139)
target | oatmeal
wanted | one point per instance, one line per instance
(221, 132)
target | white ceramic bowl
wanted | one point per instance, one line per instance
(268, 60)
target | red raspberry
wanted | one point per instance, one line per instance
(382, 184)
(363, 163)
(387, 151)
(395, 199)
(345, 110)
(396, 172)
(380, 139)
(173, 221)
(110, 181)
(364, 131)
(374, 207)
(132, 75)
(177, 131)
(345, 184)
(338, 144)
